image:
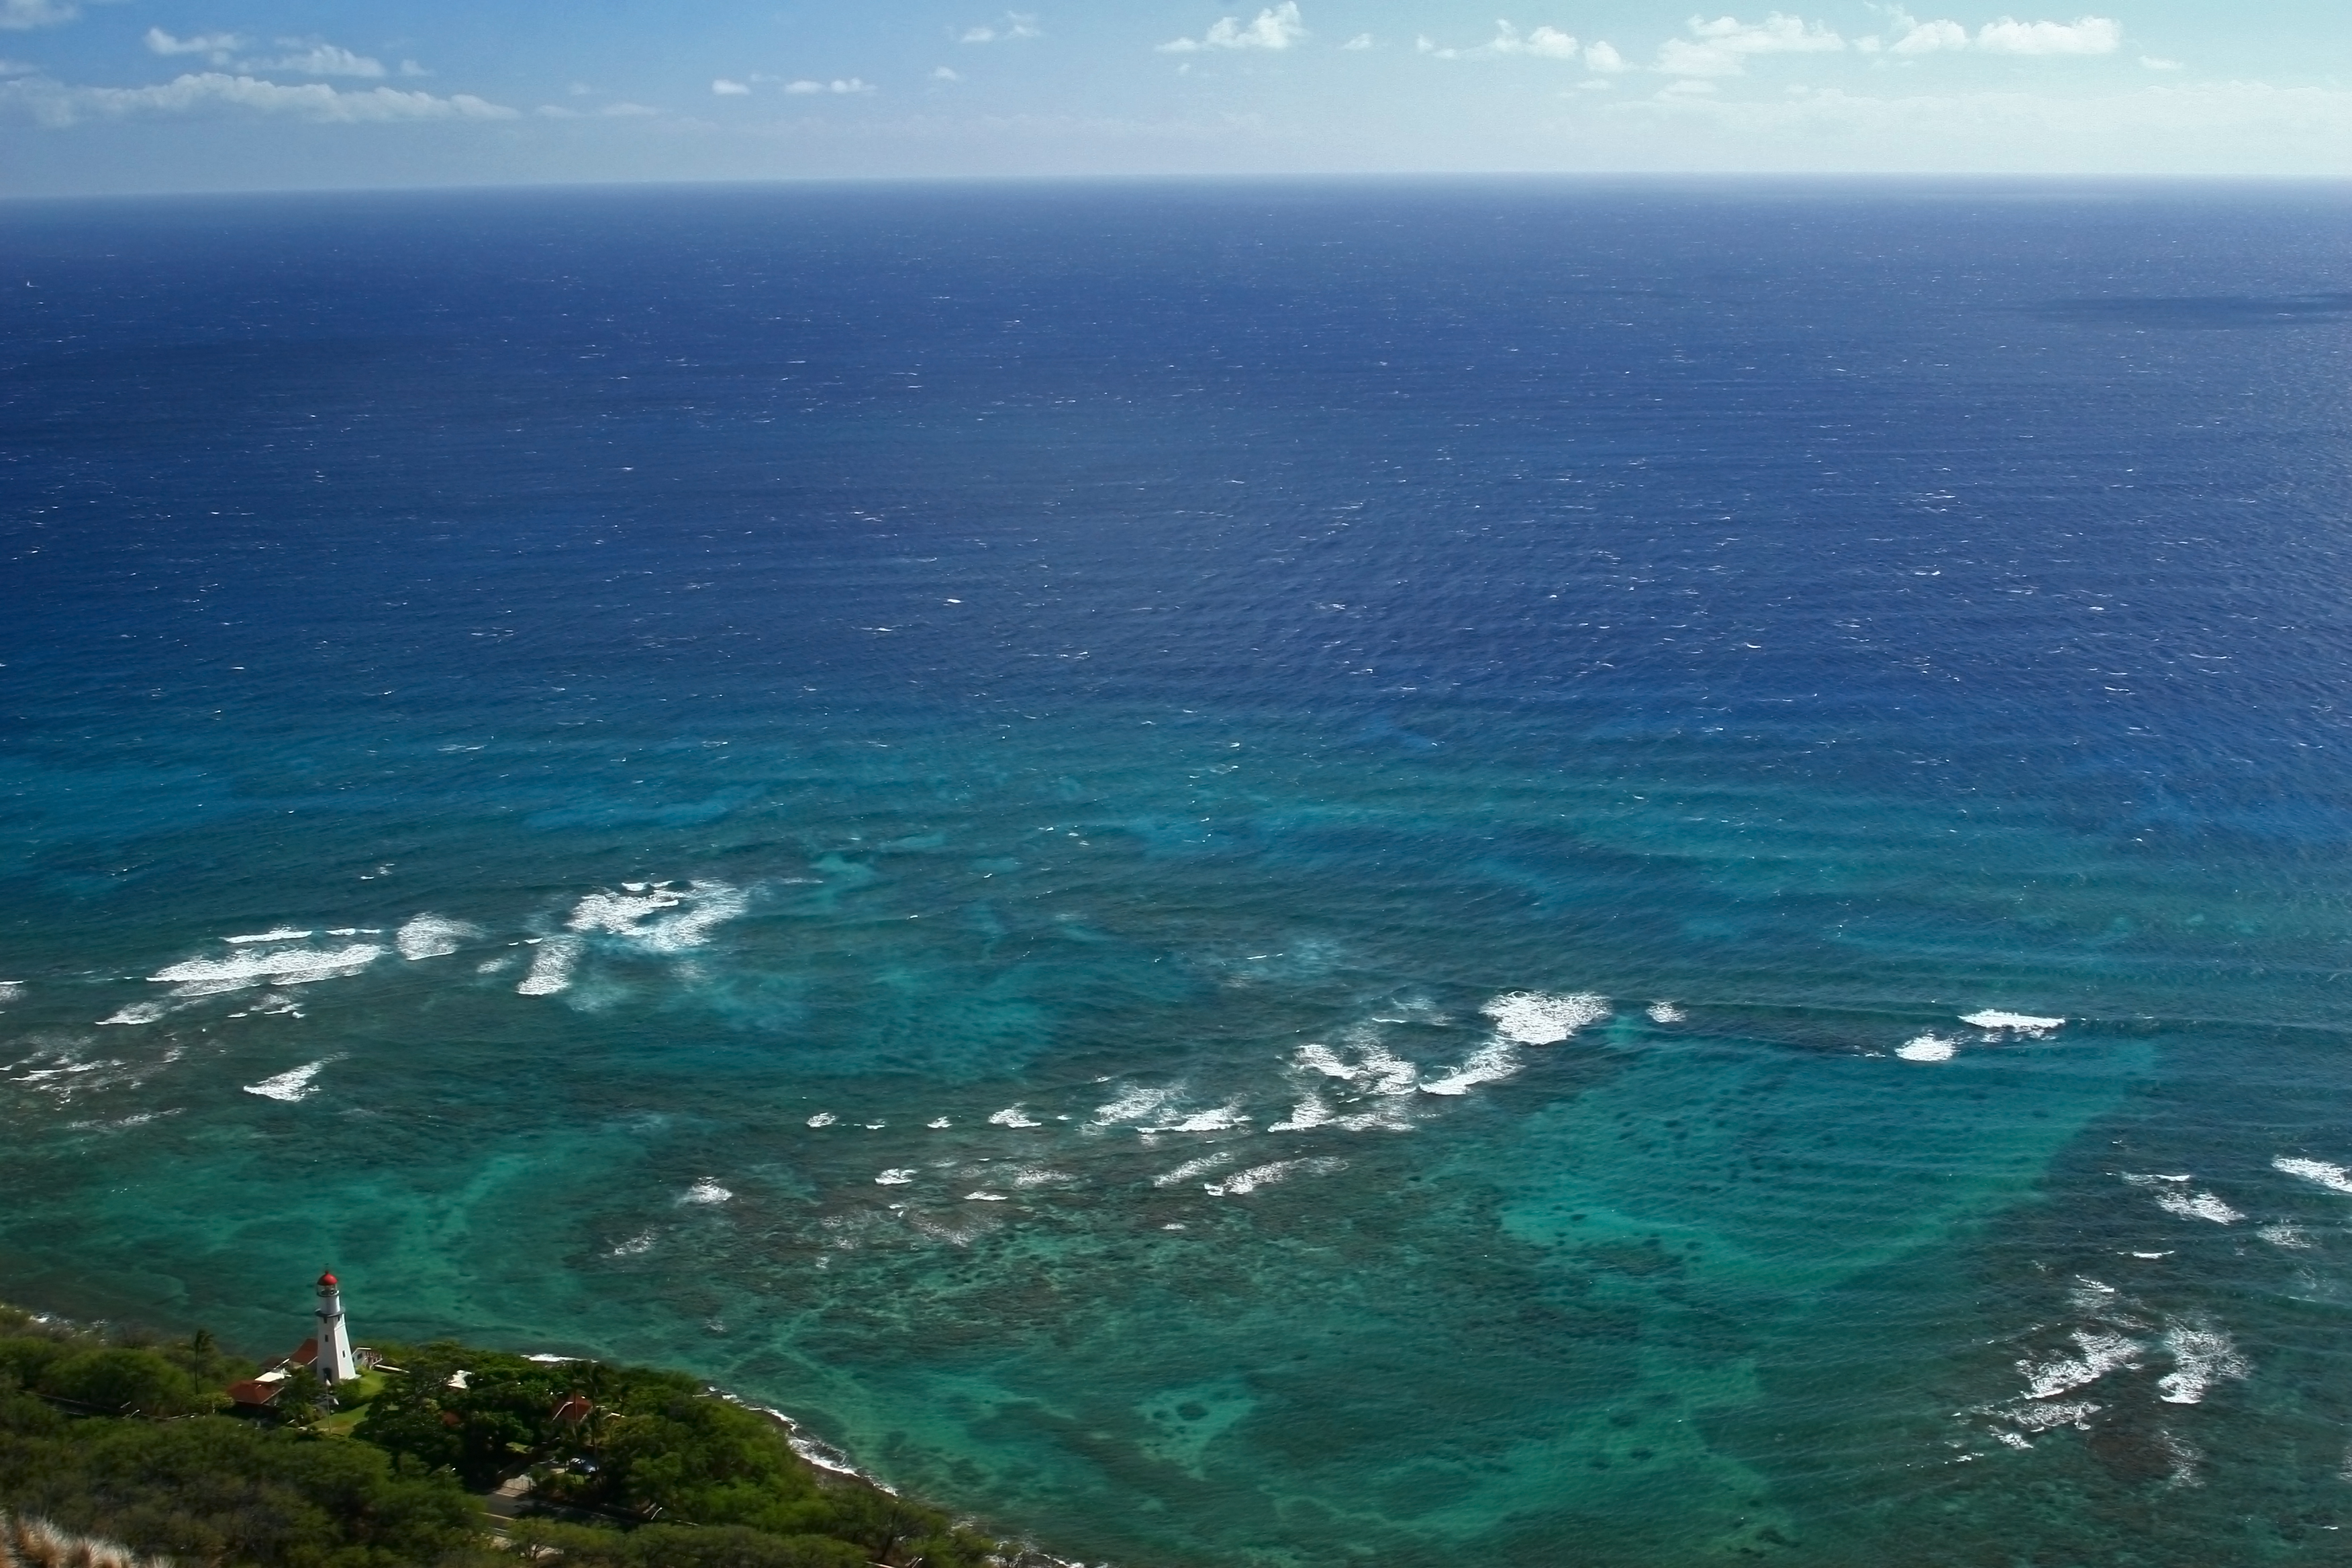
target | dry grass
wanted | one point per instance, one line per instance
(37, 1544)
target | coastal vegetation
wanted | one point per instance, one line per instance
(128, 1441)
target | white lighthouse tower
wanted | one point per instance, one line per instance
(335, 1363)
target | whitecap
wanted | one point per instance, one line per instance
(1224, 1119)
(283, 933)
(289, 1086)
(1311, 1111)
(2043, 1417)
(984, 1198)
(1242, 1182)
(2198, 1206)
(937, 1124)
(1488, 1063)
(1037, 1177)
(284, 966)
(898, 1176)
(1665, 1012)
(1376, 1069)
(1013, 1116)
(822, 1119)
(1536, 1018)
(551, 967)
(2026, 1024)
(434, 936)
(1192, 1168)
(11, 991)
(2101, 1355)
(1133, 1105)
(2203, 1355)
(660, 921)
(139, 1013)
(1929, 1047)
(2335, 1178)
(636, 1246)
(2292, 1237)
(706, 1191)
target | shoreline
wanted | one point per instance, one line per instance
(833, 1465)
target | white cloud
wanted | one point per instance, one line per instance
(319, 60)
(55, 103)
(849, 85)
(1928, 38)
(1361, 41)
(1595, 84)
(1545, 43)
(946, 73)
(217, 45)
(410, 68)
(2090, 35)
(721, 87)
(1721, 47)
(19, 15)
(609, 111)
(1276, 29)
(2153, 64)
(1015, 25)
(1603, 57)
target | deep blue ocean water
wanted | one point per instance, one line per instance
(1263, 875)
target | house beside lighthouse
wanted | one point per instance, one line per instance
(327, 1352)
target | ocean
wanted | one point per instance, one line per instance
(1245, 874)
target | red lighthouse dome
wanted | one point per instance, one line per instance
(326, 1281)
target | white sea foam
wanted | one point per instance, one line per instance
(2335, 1178)
(281, 966)
(2102, 1353)
(283, 933)
(1994, 1019)
(1535, 1018)
(1224, 1119)
(1038, 1176)
(11, 991)
(2202, 1354)
(936, 1124)
(1192, 1168)
(1242, 1182)
(1133, 1105)
(2140, 1179)
(660, 919)
(434, 936)
(706, 1191)
(822, 1119)
(2044, 1417)
(551, 963)
(635, 1247)
(1665, 1012)
(1928, 1048)
(1013, 1116)
(896, 1177)
(984, 1198)
(1311, 1111)
(1376, 1069)
(2292, 1237)
(2198, 1206)
(139, 1013)
(2092, 1296)
(289, 1086)
(1488, 1063)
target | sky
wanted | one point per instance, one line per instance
(134, 96)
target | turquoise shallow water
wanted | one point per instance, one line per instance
(1242, 877)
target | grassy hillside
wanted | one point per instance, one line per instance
(129, 1439)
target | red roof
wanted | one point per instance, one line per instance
(306, 1353)
(327, 1281)
(253, 1390)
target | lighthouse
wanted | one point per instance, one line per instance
(335, 1363)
